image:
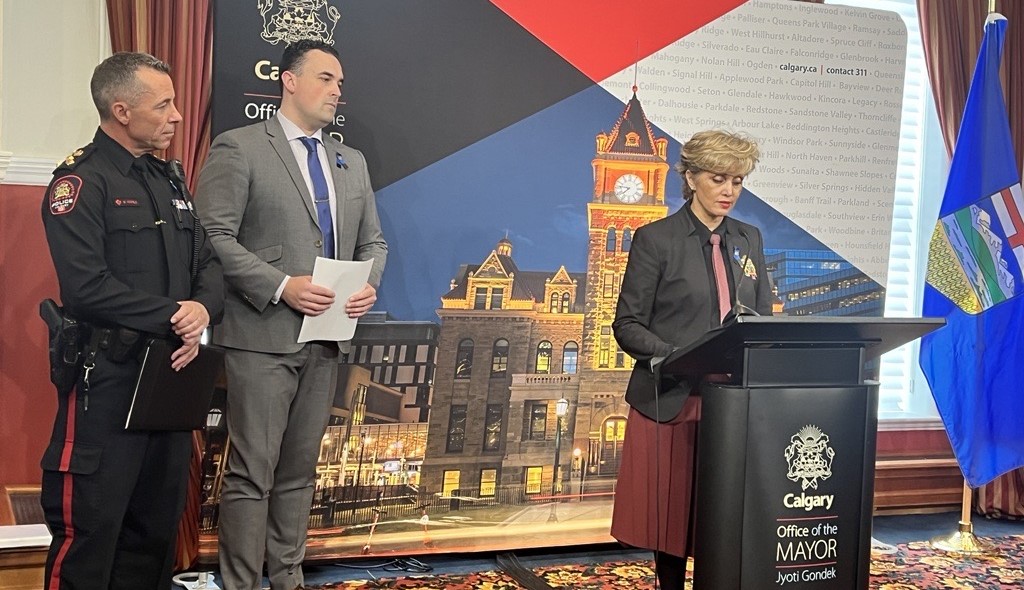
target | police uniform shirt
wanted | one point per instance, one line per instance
(121, 239)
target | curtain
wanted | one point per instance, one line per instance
(181, 34)
(951, 31)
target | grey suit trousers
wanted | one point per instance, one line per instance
(278, 406)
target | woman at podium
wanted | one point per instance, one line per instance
(685, 273)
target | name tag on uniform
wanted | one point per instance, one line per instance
(181, 204)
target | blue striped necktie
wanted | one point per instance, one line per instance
(321, 196)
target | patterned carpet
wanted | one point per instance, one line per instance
(913, 567)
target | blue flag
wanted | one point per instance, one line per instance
(975, 364)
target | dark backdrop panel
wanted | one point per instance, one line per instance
(440, 76)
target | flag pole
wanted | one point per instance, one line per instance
(963, 541)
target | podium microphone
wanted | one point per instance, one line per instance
(738, 308)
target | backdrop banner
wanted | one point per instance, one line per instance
(514, 148)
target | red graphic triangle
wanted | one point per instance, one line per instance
(601, 37)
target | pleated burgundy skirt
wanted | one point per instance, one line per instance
(655, 483)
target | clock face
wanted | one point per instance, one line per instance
(629, 188)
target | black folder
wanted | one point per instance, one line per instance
(166, 399)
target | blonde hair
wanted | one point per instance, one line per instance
(721, 152)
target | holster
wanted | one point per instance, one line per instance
(67, 341)
(124, 344)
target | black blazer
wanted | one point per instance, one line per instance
(665, 302)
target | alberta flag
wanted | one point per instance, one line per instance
(975, 364)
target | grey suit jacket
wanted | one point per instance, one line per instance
(665, 302)
(261, 220)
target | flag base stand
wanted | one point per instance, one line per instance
(963, 542)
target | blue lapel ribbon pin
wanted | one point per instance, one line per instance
(339, 161)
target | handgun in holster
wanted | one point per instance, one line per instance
(67, 339)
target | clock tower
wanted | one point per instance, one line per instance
(629, 191)
(630, 168)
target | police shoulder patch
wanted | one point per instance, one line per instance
(64, 194)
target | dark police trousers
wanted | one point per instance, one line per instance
(112, 498)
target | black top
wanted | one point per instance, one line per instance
(705, 237)
(665, 304)
(121, 239)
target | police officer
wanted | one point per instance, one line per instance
(133, 263)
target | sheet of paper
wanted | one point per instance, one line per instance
(24, 535)
(345, 278)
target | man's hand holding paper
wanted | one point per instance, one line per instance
(348, 280)
(360, 303)
(307, 297)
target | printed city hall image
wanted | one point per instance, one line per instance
(501, 423)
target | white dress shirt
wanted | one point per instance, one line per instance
(293, 133)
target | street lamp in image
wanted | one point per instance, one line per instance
(364, 440)
(326, 444)
(579, 466)
(561, 409)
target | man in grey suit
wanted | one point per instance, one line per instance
(275, 195)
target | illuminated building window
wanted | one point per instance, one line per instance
(480, 301)
(608, 287)
(543, 357)
(570, 357)
(534, 476)
(488, 481)
(456, 429)
(359, 405)
(499, 358)
(565, 302)
(615, 429)
(604, 345)
(627, 239)
(609, 243)
(450, 483)
(492, 427)
(553, 306)
(464, 359)
(536, 421)
(632, 139)
(496, 296)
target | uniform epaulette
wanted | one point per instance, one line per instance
(75, 158)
